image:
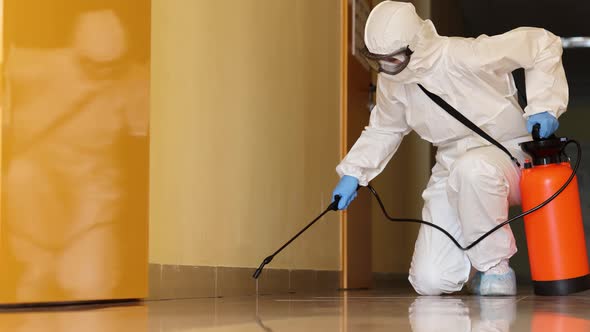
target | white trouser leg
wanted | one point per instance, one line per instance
(438, 266)
(482, 184)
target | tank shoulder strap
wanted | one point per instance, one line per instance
(461, 118)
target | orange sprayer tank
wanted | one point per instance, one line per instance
(555, 233)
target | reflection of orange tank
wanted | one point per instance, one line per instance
(555, 233)
(557, 322)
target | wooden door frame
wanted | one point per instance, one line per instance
(343, 132)
(355, 237)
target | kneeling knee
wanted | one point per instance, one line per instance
(432, 281)
(426, 282)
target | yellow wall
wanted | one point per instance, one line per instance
(245, 131)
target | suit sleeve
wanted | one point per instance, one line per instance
(379, 140)
(536, 50)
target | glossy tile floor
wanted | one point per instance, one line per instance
(387, 310)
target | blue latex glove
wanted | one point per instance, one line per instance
(548, 122)
(346, 189)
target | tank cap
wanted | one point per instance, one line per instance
(546, 151)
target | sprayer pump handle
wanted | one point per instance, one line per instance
(536, 129)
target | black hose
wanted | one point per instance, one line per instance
(488, 233)
(334, 206)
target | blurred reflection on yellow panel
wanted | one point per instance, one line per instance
(113, 319)
(75, 144)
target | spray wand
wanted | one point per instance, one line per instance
(332, 207)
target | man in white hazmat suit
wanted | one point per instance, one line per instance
(473, 182)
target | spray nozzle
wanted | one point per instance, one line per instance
(258, 271)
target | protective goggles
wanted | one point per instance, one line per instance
(391, 64)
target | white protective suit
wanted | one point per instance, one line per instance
(473, 182)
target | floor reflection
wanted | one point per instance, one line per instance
(374, 312)
(369, 311)
(484, 314)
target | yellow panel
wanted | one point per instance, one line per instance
(75, 145)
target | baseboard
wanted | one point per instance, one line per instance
(386, 280)
(182, 282)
